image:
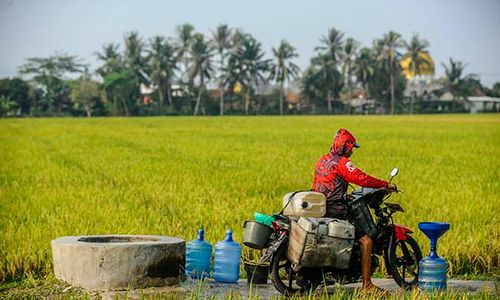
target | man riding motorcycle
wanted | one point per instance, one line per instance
(333, 172)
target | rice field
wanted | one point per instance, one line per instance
(171, 176)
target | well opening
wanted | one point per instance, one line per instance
(117, 239)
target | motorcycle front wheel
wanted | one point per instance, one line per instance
(403, 258)
(285, 279)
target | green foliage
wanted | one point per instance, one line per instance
(380, 87)
(50, 73)
(201, 68)
(283, 69)
(6, 105)
(456, 82)
(178, 74)
(171, 176)
(85, 94)
(111, 58)
(222, 38)
(247, 65)
(18, 91)
(162, 62)
(323, 81)
(121, 92)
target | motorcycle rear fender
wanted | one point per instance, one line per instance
(401, 232)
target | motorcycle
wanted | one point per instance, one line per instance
(393, 242)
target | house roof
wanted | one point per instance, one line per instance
(483, 99)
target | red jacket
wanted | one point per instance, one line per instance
(333, 173)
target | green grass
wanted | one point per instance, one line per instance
(171, 176)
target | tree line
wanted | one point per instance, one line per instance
(226, 72)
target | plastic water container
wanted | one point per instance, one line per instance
(432, 269)
(227, 260)
(305, 204)
(198, 257)
(432, 273)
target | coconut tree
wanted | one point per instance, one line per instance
(201, 54)
(416, 52)
(135, 63)
(327, 62)
(283, 69)
(134, 58)
(332, 44)
(389, 55)
(459, 85)
(111, 58)
(221, 37)
(326, 77)
(364, 67)
(348, 56)
(162, 62)
(184, 40)
(246, 65)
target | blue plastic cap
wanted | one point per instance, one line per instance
(201, 234)
(229, 235)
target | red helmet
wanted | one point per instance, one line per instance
(343, 142)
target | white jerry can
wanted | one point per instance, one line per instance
(305, 204)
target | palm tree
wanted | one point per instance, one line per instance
(246, 65)
(364, 68)
(388, 53)
(327, 77)
(332, 44)
(133, 57)
(111, 58)
(283, 69)
(415, 49)
(136, 63)
(201, 66)
(184, 40)
(459, 85)
(162, 62)
(327, 62)
(222, 40)
(348, 56)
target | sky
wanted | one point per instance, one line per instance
(467, 31)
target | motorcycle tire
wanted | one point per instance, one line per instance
(287, 281)
(403, 257)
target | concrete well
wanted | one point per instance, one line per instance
(116, 262)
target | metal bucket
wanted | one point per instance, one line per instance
(256, 234)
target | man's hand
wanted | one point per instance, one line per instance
(392, 187)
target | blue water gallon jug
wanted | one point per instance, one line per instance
(227, 260)
(432, 273)
(198, 257)
(432, 269)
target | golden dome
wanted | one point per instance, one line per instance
(425, 69)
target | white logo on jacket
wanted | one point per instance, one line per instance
(350, 166)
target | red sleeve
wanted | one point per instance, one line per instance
(350, 173)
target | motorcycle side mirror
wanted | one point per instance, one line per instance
(394, 172)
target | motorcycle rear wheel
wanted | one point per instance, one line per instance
(403, 258)
(285, 279)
